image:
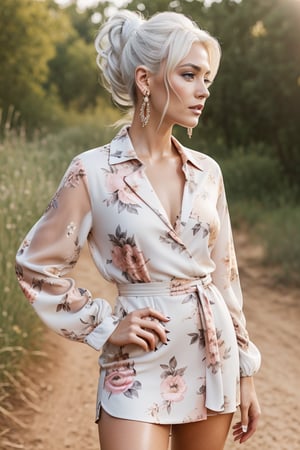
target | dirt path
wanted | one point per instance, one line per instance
(67, 382)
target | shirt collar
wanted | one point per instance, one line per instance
(121, 150)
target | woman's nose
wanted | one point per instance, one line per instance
(202, 91)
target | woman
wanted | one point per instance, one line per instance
(175, 352)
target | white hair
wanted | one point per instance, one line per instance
(127, 41)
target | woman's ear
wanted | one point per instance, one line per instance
(142, 79)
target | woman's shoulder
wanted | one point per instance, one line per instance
(95, 156)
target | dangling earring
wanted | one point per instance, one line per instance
(189, 132)
(145, 109)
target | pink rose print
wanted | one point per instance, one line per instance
(173, 386)
(80, 337)
(75, 174)
(23, 247)
(119, 192)
(121, 379)
(71, 181)
(128, 258)
(211, 338)
(214, 229)
(119, 257)
(230, 264)
(28, 291)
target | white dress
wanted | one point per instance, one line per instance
(187, 271)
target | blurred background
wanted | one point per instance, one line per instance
(52, 107)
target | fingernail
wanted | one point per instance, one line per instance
(168, 317)
(244, 428)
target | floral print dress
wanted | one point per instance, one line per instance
(186, 270)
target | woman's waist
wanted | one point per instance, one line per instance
(172, 287)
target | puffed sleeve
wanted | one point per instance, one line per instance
(50, 251)
(226, 278)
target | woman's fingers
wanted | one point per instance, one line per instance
(250, 411)
(150, 312)
(146, 339)
(141, 327)
(242, 433)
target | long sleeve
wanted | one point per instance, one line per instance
(226, 278)
(50, 251)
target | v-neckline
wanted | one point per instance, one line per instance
(140, 184)
(161, 206)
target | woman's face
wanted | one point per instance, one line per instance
(189, 83)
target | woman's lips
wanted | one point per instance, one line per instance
(197, 109)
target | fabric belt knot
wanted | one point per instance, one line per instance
(201, 286)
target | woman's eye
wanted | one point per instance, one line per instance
(207, 82)
(188, 76)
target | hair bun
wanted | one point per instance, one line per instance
(123, 25)
(130, 25)
(110, 44)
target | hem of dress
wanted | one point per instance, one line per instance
(155, 422)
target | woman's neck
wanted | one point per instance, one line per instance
(151, 144)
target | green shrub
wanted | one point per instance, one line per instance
(245, 214)
(255, 177)
(279, 231)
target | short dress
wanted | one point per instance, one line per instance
(186, 270)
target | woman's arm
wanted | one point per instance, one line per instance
(50, 251)
(226, 278)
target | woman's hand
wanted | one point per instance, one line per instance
(250, 411)
(141, 327)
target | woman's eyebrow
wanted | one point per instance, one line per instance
(194, 66)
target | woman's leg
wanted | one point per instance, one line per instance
(207, 434)
(121, 434)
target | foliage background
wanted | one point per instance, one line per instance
(52, 107)
(48, 69)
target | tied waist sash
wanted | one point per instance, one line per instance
(202, 287)
(172, 287)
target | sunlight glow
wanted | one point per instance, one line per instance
(83, 4)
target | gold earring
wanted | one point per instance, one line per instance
(189, 132)
(145, 109)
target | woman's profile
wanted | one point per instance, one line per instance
(175, 353)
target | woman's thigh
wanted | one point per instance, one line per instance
(207, 434)
(121, 434)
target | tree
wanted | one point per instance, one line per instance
(256, 96)
(73, 69)
(25, 49)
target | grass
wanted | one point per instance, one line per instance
(24, 189)
(22, 201)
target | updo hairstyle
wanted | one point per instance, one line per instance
(127, 41)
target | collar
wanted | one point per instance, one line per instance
(121, 150)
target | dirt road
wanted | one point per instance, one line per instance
(66, 383)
